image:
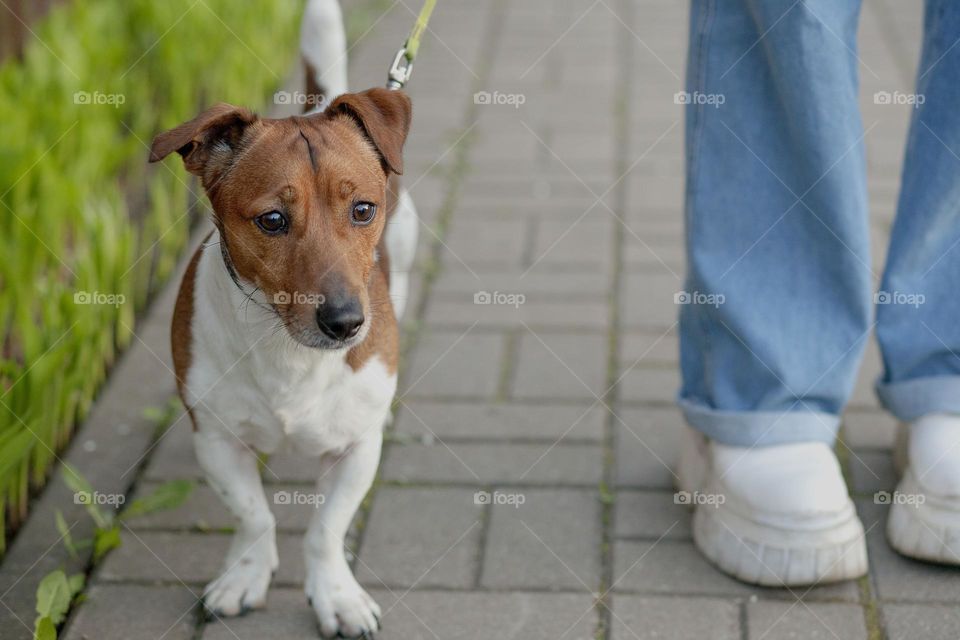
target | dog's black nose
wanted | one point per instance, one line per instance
(340, 321)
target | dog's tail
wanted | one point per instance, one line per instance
(323, 45)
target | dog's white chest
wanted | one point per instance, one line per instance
(275, 395)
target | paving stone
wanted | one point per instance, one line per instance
(286, 617)
(421, 538)
(173, 456)
(190, 558)
(649, 385)
(481, 464)
(428, 615)
(478, 242)
(641, 350)
(455, 364)
(871, 368)
(869, 429)
(121, 612)
(512, 313)
(509, 421)
(648, 299)
(669, 567)
(587, 242)
(648, 443)
(678, 568)
(292, 505)
(651, 514)
(654, 618)
(914, 621)
(561, 365)
(900, 578)
(652, 254)
(810, 621)
(541, 282)
(872, 471)
(527, 549)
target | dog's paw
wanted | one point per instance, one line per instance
(240, 588)
(343, 608)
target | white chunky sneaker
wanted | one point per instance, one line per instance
(773, 516)
(924, 521)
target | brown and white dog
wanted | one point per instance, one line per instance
(284, 334)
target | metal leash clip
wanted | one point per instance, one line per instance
(400, 70)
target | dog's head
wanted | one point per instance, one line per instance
(300, 203)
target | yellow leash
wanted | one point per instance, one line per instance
(402, 65)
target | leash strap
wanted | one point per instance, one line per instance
(402, 65)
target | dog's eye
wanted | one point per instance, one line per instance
(272, 222)
(363, 213)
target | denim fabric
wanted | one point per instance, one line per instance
(780, 298)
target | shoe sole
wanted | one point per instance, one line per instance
(764, 554)
(925, 529)
(755, 552)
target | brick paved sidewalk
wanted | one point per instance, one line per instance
(563, 403)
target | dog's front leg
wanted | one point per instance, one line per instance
(232, 472)
(341, 604)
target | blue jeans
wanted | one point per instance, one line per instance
(781, 300)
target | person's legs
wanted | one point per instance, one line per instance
(778, 289)
(918, 312)
(777, 236)
(918, 315)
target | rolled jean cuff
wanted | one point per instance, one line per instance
(760, 428)
(912, 399)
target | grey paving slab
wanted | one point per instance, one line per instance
(478, 242)
(121, 612)
(647, 298)
(869, 429)
(813, 621)
(291, 505)
(560, 365)
(587, 243)
(455, 364)
(649, 385)
(550, 541)
(188, 558)
(482, 464)
(428, 615)
(872, 471)
(675, 567)
(651, 515)
(421, 538)
(539, 283)
(645, 349)
(286, 617)
(173, 456)
(507, 310)
(648, 442)
(506, 421)
(916, 621)
(653, 618)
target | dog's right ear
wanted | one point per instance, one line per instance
(207, 140)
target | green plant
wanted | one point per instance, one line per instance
(87, 230)
(54, 595)
(107, 522)
(56, 591)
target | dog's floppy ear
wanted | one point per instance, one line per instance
(384, 115)
(212, 135)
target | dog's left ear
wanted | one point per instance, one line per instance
(207, 141)
(384, 115)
